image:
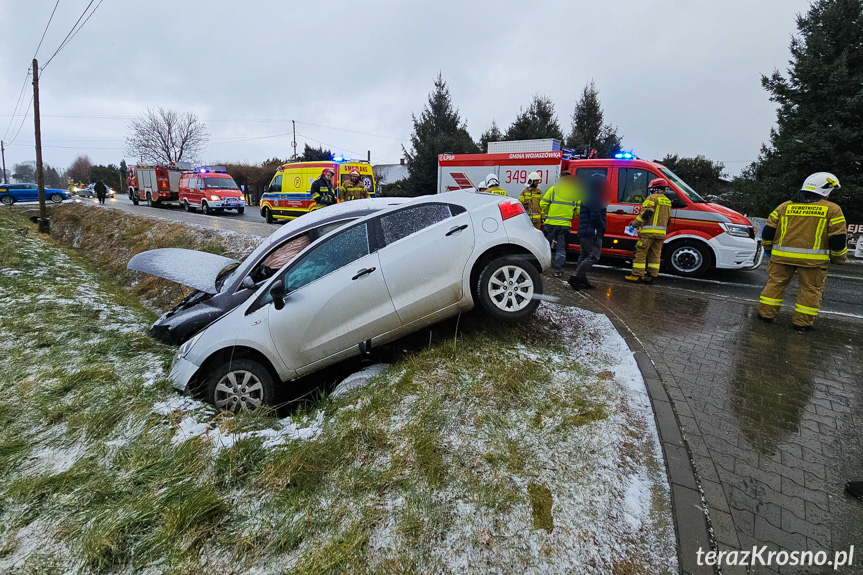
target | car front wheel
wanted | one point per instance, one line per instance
(268, 215)
(56, 198)
(507, 286)
(240, 210)
(688, 257)
(241, 385)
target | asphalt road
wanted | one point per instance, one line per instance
(249, 222)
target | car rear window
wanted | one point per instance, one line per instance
(401, 224)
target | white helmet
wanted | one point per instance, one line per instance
(821, 183)
(492, 180)
(481, 186)
(533, 177)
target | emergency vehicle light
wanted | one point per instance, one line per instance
(624, 156)
(339, 158)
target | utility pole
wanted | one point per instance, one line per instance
(369, 156)
(3, 153)
(40, 174)
(294, 142)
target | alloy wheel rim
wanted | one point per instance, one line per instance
(239, 390)
(510, 288)
(686, 259)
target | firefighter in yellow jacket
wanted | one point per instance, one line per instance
(802, 236)
(353, 188)
(530, 197)
(652, 224)
(494, 185)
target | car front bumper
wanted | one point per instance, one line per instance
(223, 204)
(736, 253)
(182, 372)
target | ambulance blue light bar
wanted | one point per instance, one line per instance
(339, 158)
(624, 156)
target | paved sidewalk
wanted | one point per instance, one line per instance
(771, 419)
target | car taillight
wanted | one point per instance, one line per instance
(510, 208)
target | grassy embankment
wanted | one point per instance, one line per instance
(498, 449)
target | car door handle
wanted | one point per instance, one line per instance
(620, 212)
(363, 272)
(456, 229)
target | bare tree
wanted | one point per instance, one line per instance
(79, 170)
(164, 136)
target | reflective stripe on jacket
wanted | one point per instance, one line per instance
(323, 192)
(559, 204)
(806, 234)
(655, 214)
(352, 191)
(531, 198)
(496, 190)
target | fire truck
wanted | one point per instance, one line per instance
(701, 235)
(157, 185)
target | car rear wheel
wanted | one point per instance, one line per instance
(241, 385)
(7, 200)
(134, 197)
(507, 286)
(268, 215)
(187, 207)
(688, 258)
(150, 201)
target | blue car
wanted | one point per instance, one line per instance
(11, 193)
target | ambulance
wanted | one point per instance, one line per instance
(701, 235)
(289, 194)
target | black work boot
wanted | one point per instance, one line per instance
(855, 489)
(802, 328)
(586, 285)
(764, 319)
(573, 283)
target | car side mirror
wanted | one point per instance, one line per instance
(248, 282)
(277, 291)
(677, 202)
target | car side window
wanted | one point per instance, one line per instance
(585, 173)
(632, 185)
(401, 224)
(332, 254)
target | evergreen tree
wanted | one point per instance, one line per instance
(702, 174)
(538, 121)
(589, 130)
(820, 111)
(493, 134)
(439, 129)
(311, 154)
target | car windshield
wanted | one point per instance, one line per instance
(227, 275)
(683, 186)
(220, 183)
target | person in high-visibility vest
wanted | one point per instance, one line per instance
(652, 224)
(494, 185)
(353, 188)
(802, 236)
(322, 191)
(530, 198)
(558, 204)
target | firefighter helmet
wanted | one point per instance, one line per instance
(492, 180)
(355, 172)
(331, 171)
(658, 184)
(481, 186)
(821, 183)
(533, 177)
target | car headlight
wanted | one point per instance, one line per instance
(737, 230)
(215, 198)
(187, 347)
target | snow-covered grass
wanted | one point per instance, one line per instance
(525, 449)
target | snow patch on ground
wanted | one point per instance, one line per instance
(358, 379)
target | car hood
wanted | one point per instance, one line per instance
(192, 268)
(733, 217)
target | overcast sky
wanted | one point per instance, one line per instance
(675, 76)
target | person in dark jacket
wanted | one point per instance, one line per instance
(591, 229)
(322, 189)
(101, 191)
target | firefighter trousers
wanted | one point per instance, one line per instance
(810, 285)
(648, 253)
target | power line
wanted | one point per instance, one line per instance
(23, 121)
(17, 103)
(46, 29)
(73, 31)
